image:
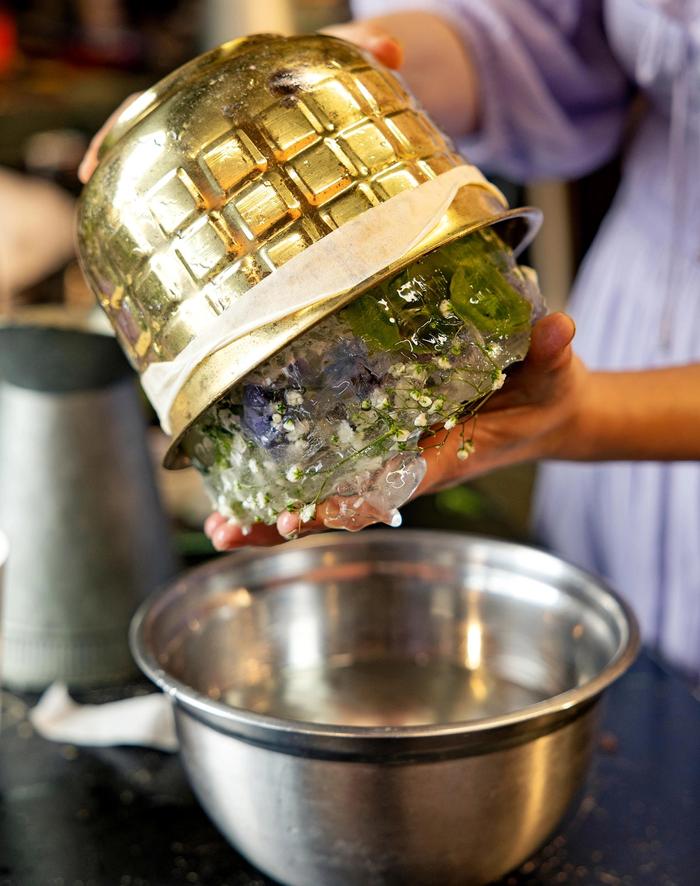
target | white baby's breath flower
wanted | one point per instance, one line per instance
(307, 513)
(294, 398)
(288, 424)
(379, 399)
(415, 395)
(443, 362)
(276, 418)
(253, 466)
(446, 308)
(497, 380)
(345, 432)
(397, 370)
(229, 482)
(425, 401)
(438, 404)
(465, 450)
(450, 423)
(402, 435)
(420, 421)
(223, 507)
(294, 473)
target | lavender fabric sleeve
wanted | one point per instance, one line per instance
(553, 97)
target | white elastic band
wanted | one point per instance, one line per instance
(337, 263)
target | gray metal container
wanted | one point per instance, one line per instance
(79, 505)
(389, 707)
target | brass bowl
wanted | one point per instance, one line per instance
(230, 167)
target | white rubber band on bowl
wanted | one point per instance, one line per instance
(338, 262)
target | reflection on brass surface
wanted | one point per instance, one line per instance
(233, 165)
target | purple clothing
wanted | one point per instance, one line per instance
(556, 79)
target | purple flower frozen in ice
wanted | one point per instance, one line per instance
(259, 406)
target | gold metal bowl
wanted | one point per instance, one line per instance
(230, 167)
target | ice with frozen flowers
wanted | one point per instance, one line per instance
(338, 414)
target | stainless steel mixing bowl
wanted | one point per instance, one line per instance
(388, 707)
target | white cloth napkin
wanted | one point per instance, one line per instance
(145, 720)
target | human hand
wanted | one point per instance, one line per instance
(535, 415)
(373, 36)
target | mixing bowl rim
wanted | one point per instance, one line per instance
(558, 704)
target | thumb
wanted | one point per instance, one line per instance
(550, 345)
(385, 48)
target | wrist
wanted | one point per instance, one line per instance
(576, 435)
(651, 415)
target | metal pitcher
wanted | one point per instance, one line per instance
(79, 504)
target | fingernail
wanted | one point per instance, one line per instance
(218, 538)
(396, 519)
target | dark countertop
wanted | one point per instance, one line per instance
(125, 817)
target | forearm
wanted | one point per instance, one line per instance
(651, 415)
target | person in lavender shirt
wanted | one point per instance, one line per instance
(542, 88)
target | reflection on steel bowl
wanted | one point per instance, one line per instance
(389, 707)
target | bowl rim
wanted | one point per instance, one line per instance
(224, 715)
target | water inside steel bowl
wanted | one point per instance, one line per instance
(401, 692)
(365, 634)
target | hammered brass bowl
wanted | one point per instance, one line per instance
(233, 165)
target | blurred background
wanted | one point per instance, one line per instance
(66, 64)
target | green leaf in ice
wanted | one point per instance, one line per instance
(406, 309)
(483, 297)
(373, 321)
(421, 307)
(480, 291)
